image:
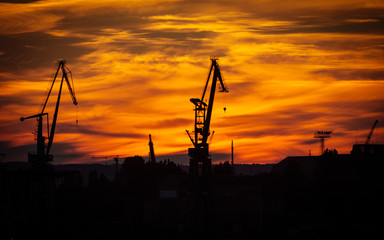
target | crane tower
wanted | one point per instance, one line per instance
(200, 162)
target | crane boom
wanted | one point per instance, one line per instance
(371, 132)
(216, 75)
(53, 126)
(65, 75)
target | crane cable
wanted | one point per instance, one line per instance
(45, 95)
(224, 100)
(73, 89)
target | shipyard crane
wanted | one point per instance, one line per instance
(42, 156)
(371, 132)
(203, 113)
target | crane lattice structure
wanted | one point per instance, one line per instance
(42, 155)
(199, 154)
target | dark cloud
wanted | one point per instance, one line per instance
(16, 153)
(358, 123)
(31, 50)
(280, 123)
(285, 119)
(282, 58)
(238, 89)
(218, 157)
(352, 74)
(297, 121)
(168, 123)
(80, 33)
(346, 108)
(7, 100)
(180, 43)
(18, 1)
(80, 129)
(20, 153)
(14, 126)
(97, 21)
(37, 50)
(168, 42)
(350, 44)
(23, 98)
(309, 141)
(178, 36)
(276, 131)
(347, 21)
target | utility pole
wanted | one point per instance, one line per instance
(232, 154)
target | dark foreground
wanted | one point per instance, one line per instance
(300, 198)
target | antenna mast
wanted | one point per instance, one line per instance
(322, 135)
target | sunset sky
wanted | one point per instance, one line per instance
(291, 67)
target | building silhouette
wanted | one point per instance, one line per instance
(303, 197)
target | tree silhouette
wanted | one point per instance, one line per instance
(223, 169)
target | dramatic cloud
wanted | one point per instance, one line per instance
(353, 74)
(291, 67)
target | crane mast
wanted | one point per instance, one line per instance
(152, 157)
(203, 114)
(42, 155)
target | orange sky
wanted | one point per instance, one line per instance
(291, 67)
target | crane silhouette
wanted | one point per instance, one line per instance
(42, 156)
(203, 114)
